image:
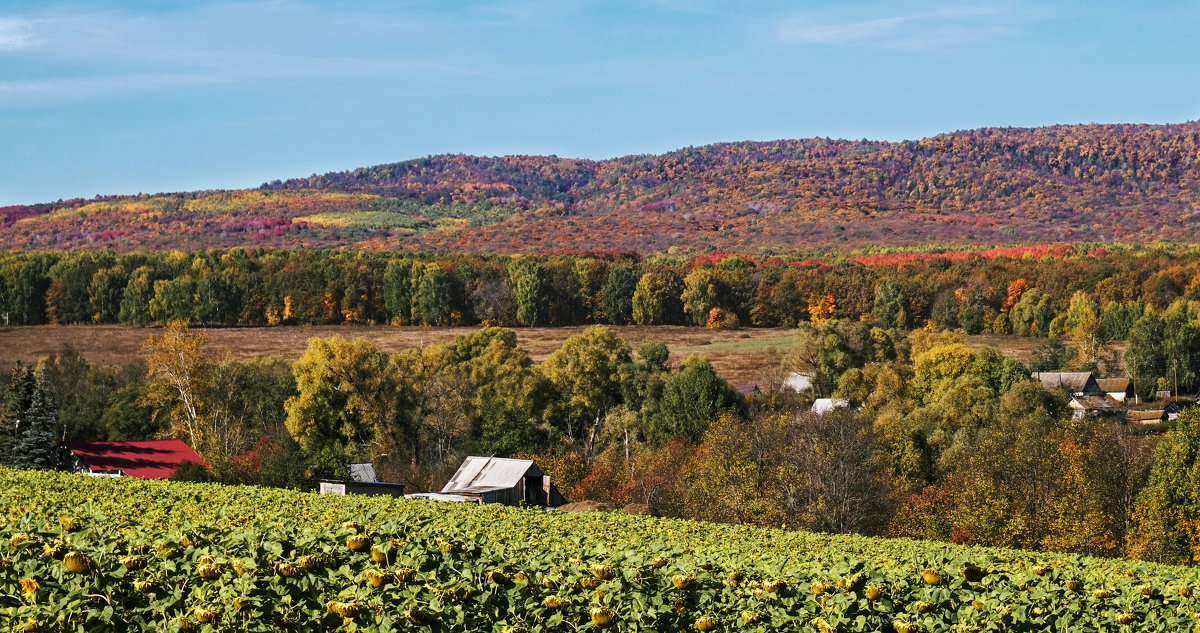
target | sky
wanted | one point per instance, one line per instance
(132, 96)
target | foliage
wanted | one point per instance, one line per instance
(585, 370)
(1168, 508)
(352, 404)
(257, 560)
(1007, 186)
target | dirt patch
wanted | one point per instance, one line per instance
(586, 506)
(641, 508)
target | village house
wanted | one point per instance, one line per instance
(1076, 383)
(798, 381)
(1095, 405)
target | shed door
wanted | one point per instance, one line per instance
(533, 491)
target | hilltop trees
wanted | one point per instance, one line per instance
(1088, 298)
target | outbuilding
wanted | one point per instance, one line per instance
(504, 481)
(363, 481)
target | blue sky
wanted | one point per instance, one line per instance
(150, 96)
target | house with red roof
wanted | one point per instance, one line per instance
(148, 459)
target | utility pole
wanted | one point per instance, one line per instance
(1133, 375)
(1175, 363)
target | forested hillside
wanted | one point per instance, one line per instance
(993, 186)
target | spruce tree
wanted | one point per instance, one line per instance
(15, 402)
(34, 446)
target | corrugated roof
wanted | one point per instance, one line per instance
(1113, 385)
(364, 472)
(485, 474)
(148, 459)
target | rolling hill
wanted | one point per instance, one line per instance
(998, 186)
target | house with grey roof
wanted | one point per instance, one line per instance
(504, 481)
(1095, 405)
(1076, 383)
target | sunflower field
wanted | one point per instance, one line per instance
(96, 554)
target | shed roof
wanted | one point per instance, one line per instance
(485, 474)
(1152, 415)
(746, 389)
(148, 459)
(1113, 385)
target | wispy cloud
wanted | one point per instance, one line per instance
(111, 52)
(16, 34)
(917, 30)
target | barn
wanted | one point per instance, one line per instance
(504, 481)
(147, 459)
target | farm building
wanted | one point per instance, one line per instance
(362, 481)
(148, 459)
(798, 381)
(1146, 416)
(504, 481)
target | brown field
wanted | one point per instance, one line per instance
(737, 354)
(741, 356)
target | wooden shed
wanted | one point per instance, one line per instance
(504, 481)
(1146, 416)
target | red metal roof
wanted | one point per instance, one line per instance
(148, 459)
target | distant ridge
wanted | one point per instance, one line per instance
(994, 186)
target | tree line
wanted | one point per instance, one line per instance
(1020, 291)
(1090, 297)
